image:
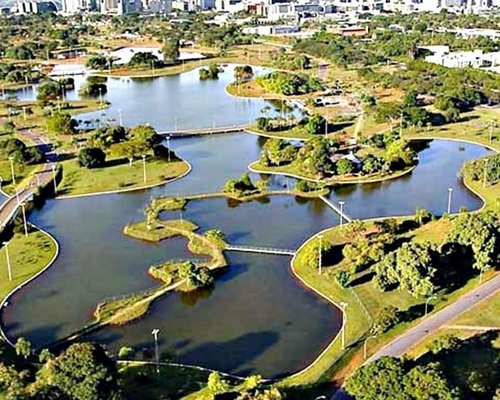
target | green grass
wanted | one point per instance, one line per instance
(28, 256)
(364, 300)
(118, 175)
(158, 230)
(486, 313)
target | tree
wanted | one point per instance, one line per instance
(243, 72)
(23, 348)
(212, 72)
(93, 86)
(145, 137)
(61, 124)
(84, 372)
(49, 90)
(314, 124)
(91, 157)
(427, 383)
(372, 164)
(125, 352)
(422, 216)
(343, 278)
(128, 149)
(216, 385)
(381, 380)
(385, 320)
(399, 154)
(252, 382)
(44, 356)
(170, 50)
(344, 166)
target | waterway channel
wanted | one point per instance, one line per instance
(257, 318)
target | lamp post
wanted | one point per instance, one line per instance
(480, 276)
(100, 96)
(450, 190)
(168, 147)
(341, 203)
(24, 219)
(11, 159)
(427, 304)
(364, 345)
(343, 304)
(486, 161)
(144, 168)
(120, 117)
(155, 332)
(7, 257)
(320, 249)
(54, 178)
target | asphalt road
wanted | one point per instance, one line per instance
(428, 326)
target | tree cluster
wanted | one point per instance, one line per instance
(289, 83)
(21, 153)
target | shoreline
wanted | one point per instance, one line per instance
(315, 291)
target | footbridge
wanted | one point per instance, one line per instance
(204, 131)
(260, 250)
(336, 209)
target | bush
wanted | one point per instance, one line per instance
(125, 352)
(91, 157)
(343, 278)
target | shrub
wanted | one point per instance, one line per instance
(91, 157)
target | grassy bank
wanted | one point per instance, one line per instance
(116, 175)
(364, 300)
(28, 256)
(158, 231)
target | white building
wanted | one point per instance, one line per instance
(464, 59)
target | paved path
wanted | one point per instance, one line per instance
(10, 206)
(430, 325)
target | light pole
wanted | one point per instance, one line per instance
(144, 168)
(7, 257)
(11, 158)
(168, 147)
(480, 276)
(155, 332)
(341, 203)
(343, 304)
(450, 190)
(54, 178)
(24, 113)
(320, 249)
(100, 96)
(364, 345)
(120, 117)
(24, 220)
(427, 304)
(486, 161)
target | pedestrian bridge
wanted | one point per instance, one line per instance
(204, 131)
(260, 250)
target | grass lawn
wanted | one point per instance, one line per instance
(118, 175)
(473, 126)
(364, 300)
(28, 255)
(158, 231)
(142, 381)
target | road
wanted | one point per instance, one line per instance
(430, 325)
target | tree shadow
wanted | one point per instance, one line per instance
(231, 355)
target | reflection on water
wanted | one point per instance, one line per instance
(256, 318)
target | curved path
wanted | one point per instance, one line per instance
(430, 325)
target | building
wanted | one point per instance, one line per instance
(36, 7)
(74, 6)
(270, 29)
(463, 59)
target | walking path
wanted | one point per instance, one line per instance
(10, 206)
(261, 250)
(430, 325)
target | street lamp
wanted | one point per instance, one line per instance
(120, 116)
(7, 257)
(11, 158)
(168, 147)
(341, 203)
(364, 345)
(100, 95)
(144, 167)
(343, 304)
(486, 161)
(54, 178)
(427, 304)
(24, 219)
(320, 237)
(155, 332)
(450, 190)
